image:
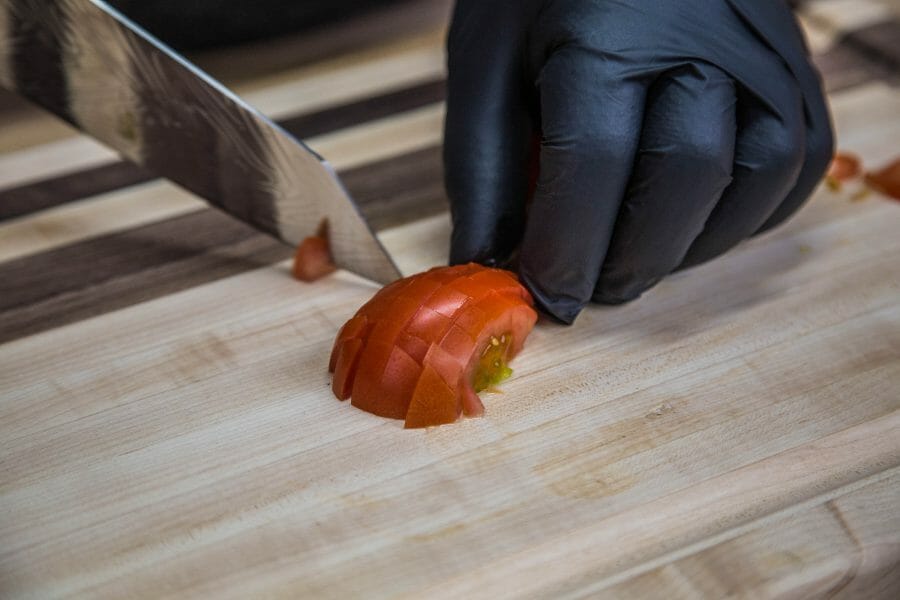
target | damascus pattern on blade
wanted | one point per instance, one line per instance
(91, 66)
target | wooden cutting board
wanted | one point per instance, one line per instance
(167, 426)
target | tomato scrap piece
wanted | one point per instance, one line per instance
(313, 260)
(422, 347)
(887, 179)
(844, 166)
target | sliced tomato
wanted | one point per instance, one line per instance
(422, 347)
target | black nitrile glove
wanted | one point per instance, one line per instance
(670, 131)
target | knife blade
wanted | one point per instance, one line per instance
(87, 63)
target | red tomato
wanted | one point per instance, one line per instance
(423, 346)
(313, 259)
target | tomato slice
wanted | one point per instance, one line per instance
(345, 367)
(433, 401)
(351, 329)
(423, 346)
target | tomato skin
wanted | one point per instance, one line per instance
(433, 402)
(346, 361)
(351, 329)
(413, 350)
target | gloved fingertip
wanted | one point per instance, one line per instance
(563, 309)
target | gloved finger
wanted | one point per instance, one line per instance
(487, 131)
(774, 21)
(768, 155)
(819, 151)
(684, 163)
(591, 121)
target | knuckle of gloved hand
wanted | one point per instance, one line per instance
(704, 153)
(820, 149)
(783, 156)
(594, 142)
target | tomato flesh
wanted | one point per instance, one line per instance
(423, 346)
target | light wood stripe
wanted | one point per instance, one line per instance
(51, 159)
(146, 203)
(414, 130)
(785, 539)
(841, 16)
(377, 71)
(776, 481)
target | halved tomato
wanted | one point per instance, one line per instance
(423, 346)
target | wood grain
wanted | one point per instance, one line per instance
(711, 411)
(167, 427)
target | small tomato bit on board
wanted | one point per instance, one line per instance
(423, 346)
(313, 259)
(886, 180)
(844, 166)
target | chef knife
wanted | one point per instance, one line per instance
(90, 65)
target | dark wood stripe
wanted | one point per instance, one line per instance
(98, 275)
(39, 195)
(47, 193)
(399, 190)
(367, 109)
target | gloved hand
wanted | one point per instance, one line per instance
(669, 132)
